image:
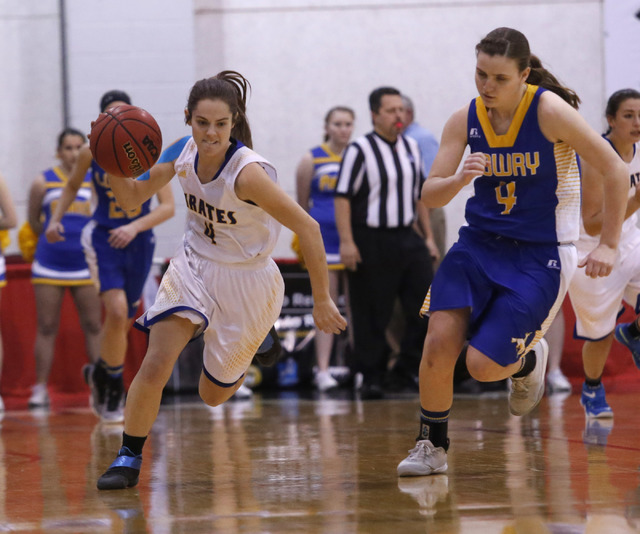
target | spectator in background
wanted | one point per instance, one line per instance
(61, 265)
(428, 145)
(316, 178)
(8, 220)
(376, 206)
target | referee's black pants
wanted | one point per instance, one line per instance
(395, 264)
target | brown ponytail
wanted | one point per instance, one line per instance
(542, 77)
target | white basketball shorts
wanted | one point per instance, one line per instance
(598, 301)
(235, 306)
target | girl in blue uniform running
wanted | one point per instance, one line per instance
(503, 281)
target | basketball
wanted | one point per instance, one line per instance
(125, 141)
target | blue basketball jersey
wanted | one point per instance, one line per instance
(530, 190)
(63, 262)
(108, 213)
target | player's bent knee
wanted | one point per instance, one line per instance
(214, 398)
(483, 369)
(212, 394)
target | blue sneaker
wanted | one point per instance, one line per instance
(594, 403)
(123, 472)
(633, 344)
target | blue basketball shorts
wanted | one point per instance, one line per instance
(513, 289)
(113, 268)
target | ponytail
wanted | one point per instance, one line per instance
(542, 77)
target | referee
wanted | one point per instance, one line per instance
(376, 206)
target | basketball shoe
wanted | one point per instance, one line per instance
(113, 410)
(633, 344)
(594, 402)
(39, 396)
(526, 392)
(123, 472)
(96, 378)
(423, 459)
(324, 381)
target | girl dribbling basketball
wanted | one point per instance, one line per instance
(222, 283)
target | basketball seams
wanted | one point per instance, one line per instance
(114, 147)
(135, 140)
(122, 126)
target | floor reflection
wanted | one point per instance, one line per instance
(300, 462)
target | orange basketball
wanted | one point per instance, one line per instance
(125, 141)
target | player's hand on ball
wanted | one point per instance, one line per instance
(54, 232)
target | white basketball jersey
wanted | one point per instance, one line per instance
(219, 225)
(630, 236)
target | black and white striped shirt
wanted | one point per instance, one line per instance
(382, 179)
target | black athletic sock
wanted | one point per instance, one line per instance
(528, 365)
(434, 427)
(133, 443)
(593, 382)
(634, 331)
(115, 371)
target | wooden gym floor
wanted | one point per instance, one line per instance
(293, 462)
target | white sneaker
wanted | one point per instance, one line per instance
(242, 393)
(526, 392)
(324, 381)
(423, 459)
(426, 491)
(39, 396)
(557, 382)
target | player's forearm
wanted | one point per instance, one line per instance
(312, 248)
(66, 199)
(616, 192)
(158, 215)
